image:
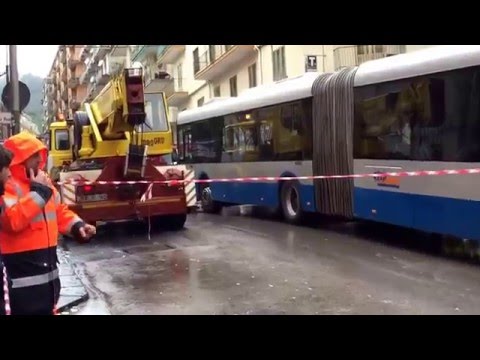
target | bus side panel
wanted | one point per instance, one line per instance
(253, 193)
(439, 204)
(257, 192)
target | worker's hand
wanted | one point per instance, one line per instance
(87, 231)
(41, 177)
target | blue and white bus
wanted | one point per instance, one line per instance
(410, 112)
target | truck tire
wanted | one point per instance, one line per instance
(290, 202)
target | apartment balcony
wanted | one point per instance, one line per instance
(73, 82)
(64, 73)
(102, 79)
(73, 62)
(140, 52)
(92, 91)
(62, 56)
(220, 58)
(75, 105)
(64, 94)
(347, 56)
(179, 94)
(172, 88)
(119, 50)
(158, 82)
(170, 54)
(100, 51)
(51, 106)
(85, 52)
(90, 71)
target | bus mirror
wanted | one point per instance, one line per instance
(175, 156)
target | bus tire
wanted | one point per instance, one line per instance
(209, 205)
(290, 202)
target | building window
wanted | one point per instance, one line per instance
(200, 101)
(212, 53)
(196, 61)
(279, 68)
(233, 86)
(252, 75)
(216, 91)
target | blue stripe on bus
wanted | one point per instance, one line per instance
(262, 194)
(426, 213)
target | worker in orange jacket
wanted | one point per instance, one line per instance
(32, 218)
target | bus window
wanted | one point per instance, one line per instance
(62, 141)
(230, 140)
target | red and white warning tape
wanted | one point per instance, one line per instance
(6, 295)
(274, 178)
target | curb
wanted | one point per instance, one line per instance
(73, 303)
(73, 292)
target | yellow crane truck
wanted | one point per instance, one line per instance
(122, 135)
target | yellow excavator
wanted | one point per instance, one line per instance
(122, 137)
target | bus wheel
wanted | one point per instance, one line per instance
(291, 205)
(208, 204)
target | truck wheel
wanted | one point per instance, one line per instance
(290, 200)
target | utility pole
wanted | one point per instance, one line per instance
(15, 89)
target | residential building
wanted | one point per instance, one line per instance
(55, 96)
(78, 74)
(193, 75)
(101, 62)
(76, 91)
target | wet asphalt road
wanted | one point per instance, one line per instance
(227, 264)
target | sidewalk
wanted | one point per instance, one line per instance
(73, 292)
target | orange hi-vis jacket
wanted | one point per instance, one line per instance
(30, 222)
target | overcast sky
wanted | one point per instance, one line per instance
(33, 59)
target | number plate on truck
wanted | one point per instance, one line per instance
(95, 197)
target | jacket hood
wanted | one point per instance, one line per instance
(22, 146)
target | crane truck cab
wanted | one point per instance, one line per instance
(59, 149)
(122, 139)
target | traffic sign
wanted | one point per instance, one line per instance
(7, 97)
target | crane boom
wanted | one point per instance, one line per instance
(120, 105)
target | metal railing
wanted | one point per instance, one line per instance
(355, 55)
(210, 56)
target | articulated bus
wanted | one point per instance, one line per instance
(410, 112)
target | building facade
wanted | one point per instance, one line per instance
(193, 75)
(77, 75)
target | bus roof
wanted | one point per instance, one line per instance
(278, 92)
(417, 63)
(421, 62)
